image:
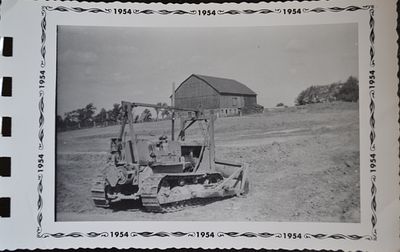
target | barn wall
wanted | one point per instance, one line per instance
(194, 92)
(223, 112)
(250, 100)
(231, 101)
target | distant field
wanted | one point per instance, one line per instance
(304, 166)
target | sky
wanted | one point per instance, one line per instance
(105, 65)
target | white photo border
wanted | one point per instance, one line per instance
(40, 233)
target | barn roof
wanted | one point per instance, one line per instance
(224, 86)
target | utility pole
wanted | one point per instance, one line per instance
(212, 140)
(173, 112)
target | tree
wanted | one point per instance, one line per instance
(349, 90)
(109, 116)
(88, 112)
(71, 120)
(280, 104)
(116, 112)
(300, 100)
(90, 109)
(165, 113)
(161, 107)
(78, 118)
(157, 109)
(101, 117)
(85, 115)
(146, 115)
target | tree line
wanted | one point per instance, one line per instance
(86, 117)
(340, 91)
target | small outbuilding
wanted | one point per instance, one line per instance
(226, 97)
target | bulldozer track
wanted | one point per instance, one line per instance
(149, 196)
(151, 203)
(98, 192)
(180, 205)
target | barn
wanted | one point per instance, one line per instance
(226, 97)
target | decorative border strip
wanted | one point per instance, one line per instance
(39, 217)
(374, 218)
(372, 35)
(250, 234)
(373, 235)
(372, 134)
(43, 25)
(165, 12)
(337, 236)
(335, 9)
(41, 119)
(162, 234)
(260, 11)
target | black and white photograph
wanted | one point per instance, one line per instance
(208, 124)
(262, 125)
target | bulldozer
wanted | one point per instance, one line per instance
(167, 173)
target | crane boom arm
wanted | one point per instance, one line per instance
(148, 105)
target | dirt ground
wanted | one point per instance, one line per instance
(304, 166)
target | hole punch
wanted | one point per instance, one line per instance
(6, 86)
(6, 126)
(6, 44)
(5, 207)
(5, 166)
